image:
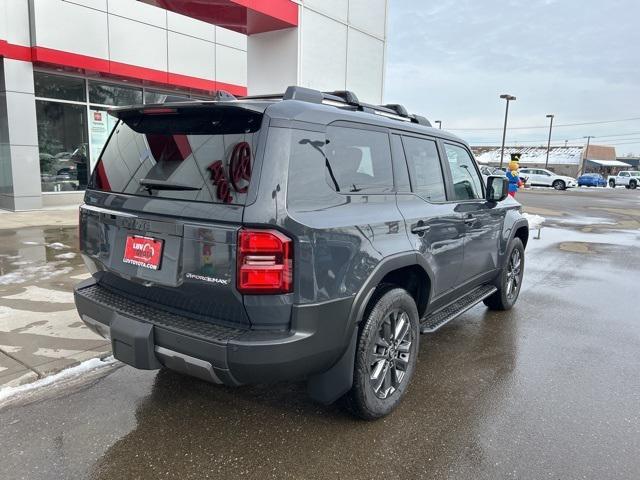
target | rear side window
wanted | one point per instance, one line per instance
(467, 184)
(358, 161)
(425, 168)
(204, 157)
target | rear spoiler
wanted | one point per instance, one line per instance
(186, 106)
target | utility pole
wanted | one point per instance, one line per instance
(586, 152)
(508, 98)
(546, 163)
(439, 122)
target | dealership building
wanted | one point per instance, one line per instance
(64, 63)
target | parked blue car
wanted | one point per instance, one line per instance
(592, 180)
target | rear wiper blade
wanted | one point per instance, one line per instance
(150, 184)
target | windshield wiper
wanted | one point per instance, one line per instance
(149, 184)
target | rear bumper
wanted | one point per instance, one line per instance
(147, 337)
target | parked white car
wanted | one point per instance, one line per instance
(628, 178)
(546, 178)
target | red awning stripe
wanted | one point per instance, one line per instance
(49, 56)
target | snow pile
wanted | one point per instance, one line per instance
(535, 221)
(94, 363)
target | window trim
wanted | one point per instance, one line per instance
(442, 170)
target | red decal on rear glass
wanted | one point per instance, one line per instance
(240, 166)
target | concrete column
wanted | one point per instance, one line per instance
(19, 157)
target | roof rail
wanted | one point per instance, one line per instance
(344, 99)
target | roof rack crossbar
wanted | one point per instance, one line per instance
(344, 99)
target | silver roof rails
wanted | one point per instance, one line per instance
(345, 99)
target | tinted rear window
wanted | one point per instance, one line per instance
(204, 156)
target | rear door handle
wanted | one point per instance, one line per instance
(420, 228)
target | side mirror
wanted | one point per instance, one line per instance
(497, 188)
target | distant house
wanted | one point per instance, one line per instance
(567, 160)
(634, 162)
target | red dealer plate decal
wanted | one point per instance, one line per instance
(143, 252)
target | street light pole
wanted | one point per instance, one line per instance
(546, 163)
(439, 122)
(508, 98)
(586, 152)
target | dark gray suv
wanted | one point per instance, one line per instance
(305, 236)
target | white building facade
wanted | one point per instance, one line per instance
(63, 63)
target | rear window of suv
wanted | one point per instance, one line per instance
(203, 156)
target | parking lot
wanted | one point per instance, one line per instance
(549, 389)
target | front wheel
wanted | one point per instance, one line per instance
(612, 183)
(559, 185)
(510, 279)
(386, 355)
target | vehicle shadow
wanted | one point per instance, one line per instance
(187, 428)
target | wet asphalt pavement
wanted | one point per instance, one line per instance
(550, 389)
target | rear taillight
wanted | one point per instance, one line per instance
(265, 262)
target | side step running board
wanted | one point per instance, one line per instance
(435, 320)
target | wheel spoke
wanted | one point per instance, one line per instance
(402, 362)
(386, 331)
(377, 370)
(395, 378)
(509, 285)
(402, 327)
(405, 346)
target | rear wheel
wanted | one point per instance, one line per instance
(559, 185)
(633, 184)
(386, 355)
(612, 183)
(510, 279)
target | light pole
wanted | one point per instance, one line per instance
(546, 163)
(586, 152)
(439, 122)
(508, 98)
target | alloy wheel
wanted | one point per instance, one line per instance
(390, 355)
(514, 270)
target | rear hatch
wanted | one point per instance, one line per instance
(165, 203)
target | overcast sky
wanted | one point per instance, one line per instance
(578, 59)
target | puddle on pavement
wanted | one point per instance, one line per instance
(46, 256)
(577, 247)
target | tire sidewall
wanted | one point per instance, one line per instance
(560, 185)
(369, 405)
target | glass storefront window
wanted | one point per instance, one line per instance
(100, 126)
(152, 96)
(111, 94)
(60, 87)
(62, 141)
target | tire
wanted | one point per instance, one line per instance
(633, 185)
(612, 183)
(505, 298)
(559, 185)
(385, 359)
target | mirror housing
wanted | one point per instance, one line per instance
(497, 188)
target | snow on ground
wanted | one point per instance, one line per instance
(535, 221)
(76, 371)
(57, 246)
(66, 256)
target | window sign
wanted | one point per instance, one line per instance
(100, 126)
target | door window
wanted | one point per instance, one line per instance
(425, 168)
(466, 181)
(358, 161)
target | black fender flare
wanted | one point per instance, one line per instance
(330, 385)
(386, 265)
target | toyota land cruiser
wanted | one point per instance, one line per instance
(304, 236)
